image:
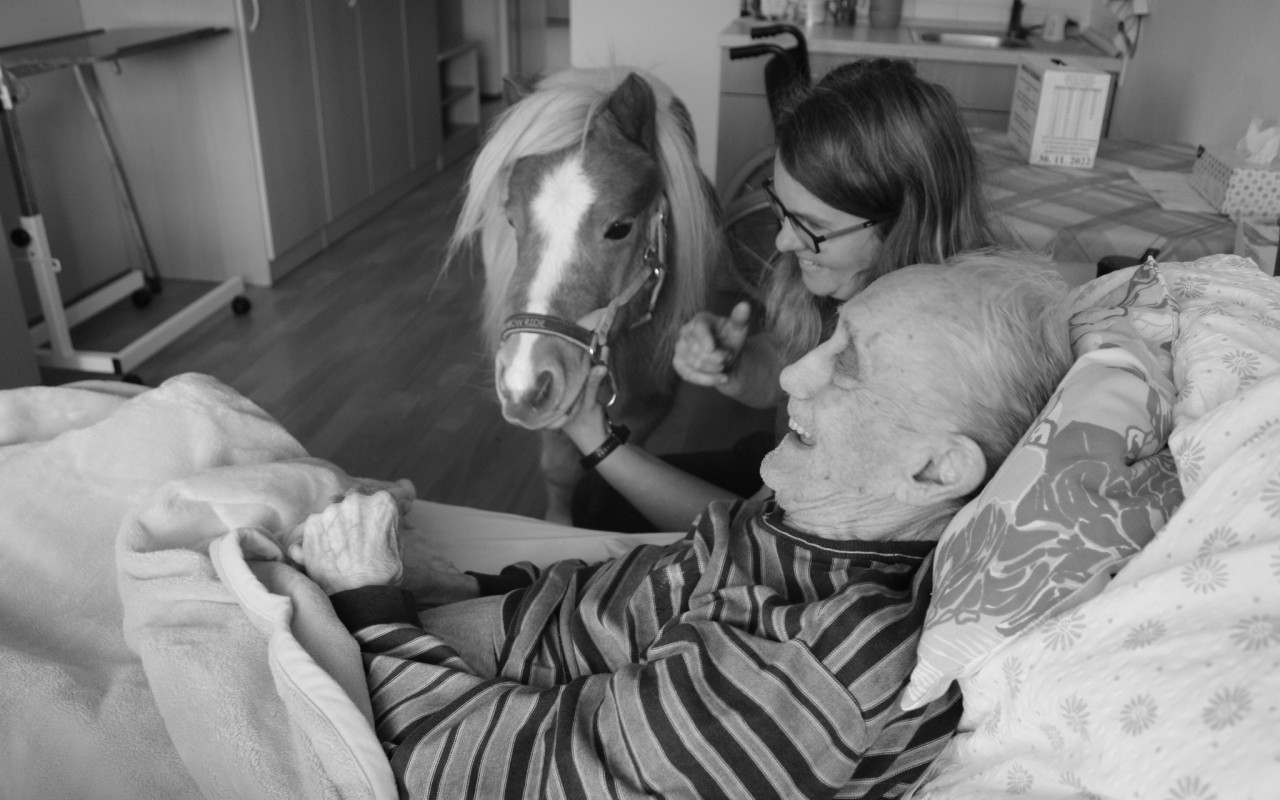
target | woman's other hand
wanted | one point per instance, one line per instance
(709, 346)
(353, 543)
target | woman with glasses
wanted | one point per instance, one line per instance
(874, 171)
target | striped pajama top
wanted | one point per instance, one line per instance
(748, 660)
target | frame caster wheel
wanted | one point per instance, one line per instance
(240, 305)
(132, 377)
(141, 297)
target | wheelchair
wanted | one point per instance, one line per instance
(749, 221)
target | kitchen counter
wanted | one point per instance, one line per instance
(981, 79)
(903, 42)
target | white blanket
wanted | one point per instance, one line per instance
(198, 677)
(152, 642)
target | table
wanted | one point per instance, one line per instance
(1082, 215)
(81, 51)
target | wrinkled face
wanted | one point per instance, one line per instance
(862, 404)
(835, 270)
(581, 221)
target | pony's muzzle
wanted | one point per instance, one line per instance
(538, 379)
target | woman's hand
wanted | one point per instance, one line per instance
(353, 543)
(709, 346)
(585, 424)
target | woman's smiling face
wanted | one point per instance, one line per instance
(835, 271)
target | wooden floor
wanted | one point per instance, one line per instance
(371, 356)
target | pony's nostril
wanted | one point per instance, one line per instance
(542, 391)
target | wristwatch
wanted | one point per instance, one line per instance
(617, 437)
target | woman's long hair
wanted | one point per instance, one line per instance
(874, 139)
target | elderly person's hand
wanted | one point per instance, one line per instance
(709, 345)
(352, 543)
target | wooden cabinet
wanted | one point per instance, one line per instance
(386, 89)
(422, 44)
(984, 92)
(460, 101)
(337, 86)
(339, 82)
(281, 80)
(253, 151)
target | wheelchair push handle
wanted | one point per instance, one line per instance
(753, 50)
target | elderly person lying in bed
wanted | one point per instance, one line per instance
(762, 655)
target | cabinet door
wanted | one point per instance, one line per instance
(386, 89)
(336, 33)
(423, 48)
(984, 92)
(280, 59)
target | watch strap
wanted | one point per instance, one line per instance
(618, 435)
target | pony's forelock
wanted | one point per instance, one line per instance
(556, 116)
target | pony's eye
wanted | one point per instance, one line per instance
(618, 230)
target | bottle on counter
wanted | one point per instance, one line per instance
(842, 12)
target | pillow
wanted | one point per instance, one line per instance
(1087, 486)
(1165, 685)
(1229, 318)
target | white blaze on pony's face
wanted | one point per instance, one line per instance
(559, 205)
(581, 221)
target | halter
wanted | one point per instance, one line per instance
(596, 340)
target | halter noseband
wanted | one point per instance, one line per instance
(595, 340)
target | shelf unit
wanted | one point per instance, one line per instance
(459, 101)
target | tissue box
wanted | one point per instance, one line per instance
(1058, 109)
(1235, 187)
(1257, 239)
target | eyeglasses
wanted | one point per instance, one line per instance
(807, 236)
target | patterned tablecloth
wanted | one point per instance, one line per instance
(1081, 215)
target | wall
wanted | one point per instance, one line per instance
(1201, 71)
(674, 39)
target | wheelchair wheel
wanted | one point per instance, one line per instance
(752, 229)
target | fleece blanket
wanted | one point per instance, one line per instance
(152, 642)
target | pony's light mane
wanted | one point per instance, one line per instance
(556, 116)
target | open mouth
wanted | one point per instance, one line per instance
(800, 433)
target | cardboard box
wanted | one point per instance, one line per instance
(1234, 186)
(1257, 238)
(1058, 110)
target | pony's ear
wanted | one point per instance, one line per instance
(632, 104)
(515, 88)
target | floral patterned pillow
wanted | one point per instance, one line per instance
(1086, 488)
(1229, 318)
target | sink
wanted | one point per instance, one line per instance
(968, 39)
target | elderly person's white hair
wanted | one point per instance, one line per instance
(1009, 365)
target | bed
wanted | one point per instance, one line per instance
(1110, 604)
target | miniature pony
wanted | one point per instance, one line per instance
(599, 236)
